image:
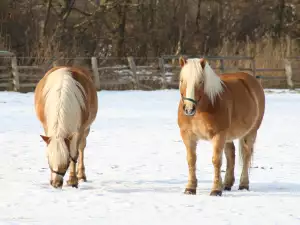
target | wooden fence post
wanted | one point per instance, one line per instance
(15, 73)
(95, 72)
(288, 73)
(55, 63)
(161, 65)
(222, 67)
(132, 66)
(253, 65)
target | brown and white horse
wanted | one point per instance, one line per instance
(219, 109)
(66, 104)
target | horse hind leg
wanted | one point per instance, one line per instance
(81, 167)
(246, 146)
(230, 158)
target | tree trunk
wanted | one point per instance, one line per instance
(122, 8)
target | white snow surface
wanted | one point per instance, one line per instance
(137, 170)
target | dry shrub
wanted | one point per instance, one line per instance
(268, 54)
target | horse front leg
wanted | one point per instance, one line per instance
(73, 180)
(218, 145)
(190, 144)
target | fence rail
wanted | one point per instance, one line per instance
(19, 74)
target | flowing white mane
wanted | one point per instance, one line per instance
(64, 100)
(192, 74)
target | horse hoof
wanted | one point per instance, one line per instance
(227, 188)
(189, 191)
(72, 183)
(244, 188)
(216, 193)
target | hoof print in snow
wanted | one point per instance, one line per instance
(189, 191)
(262, 167)
(216, 193)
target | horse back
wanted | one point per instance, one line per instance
(85, 79)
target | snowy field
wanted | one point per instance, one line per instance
(137, 171)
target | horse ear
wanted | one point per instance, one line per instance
(202, 62)
(45, 139)
(182, 61)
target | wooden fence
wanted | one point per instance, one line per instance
(22, 74)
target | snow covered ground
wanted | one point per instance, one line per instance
(137, 171)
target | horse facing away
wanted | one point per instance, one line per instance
(66, 104)
(219, 109)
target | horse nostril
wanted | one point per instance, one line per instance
(183, 107)
(194, 108)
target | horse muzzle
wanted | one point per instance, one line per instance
(189, 111)
(57, 183)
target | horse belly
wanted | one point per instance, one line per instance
(236, 134)
(241, 126)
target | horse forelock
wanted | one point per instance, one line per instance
(58, 153)
(193, 75)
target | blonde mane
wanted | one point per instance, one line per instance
(192, 74)
(64, 100)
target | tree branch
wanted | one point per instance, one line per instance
(47, 16)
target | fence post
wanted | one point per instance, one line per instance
(15, 73)
(55, 63)
(161, 65)
(288, 73)
(132, 66)
(222, 67)
(253, 65)
(95, 72)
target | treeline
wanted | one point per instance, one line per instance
(148, 28)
